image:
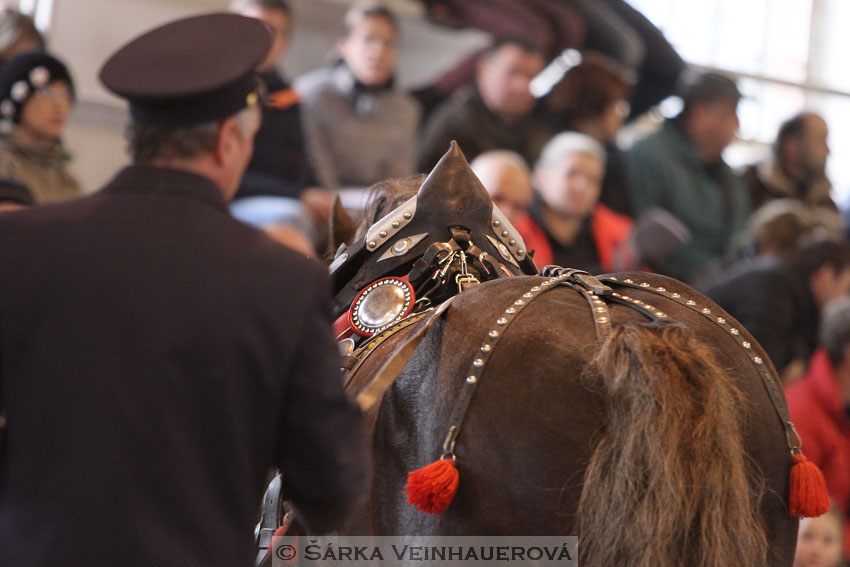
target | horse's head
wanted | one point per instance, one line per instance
(448, 233)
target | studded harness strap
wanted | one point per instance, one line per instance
(588, 286)
(597, 294)
(793, 439)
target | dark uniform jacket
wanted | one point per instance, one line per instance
(156, 358)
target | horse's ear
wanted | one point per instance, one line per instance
(342, 226)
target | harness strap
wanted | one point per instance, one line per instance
(353, 361)
(396, 363)
(773, 391)
(581, 281)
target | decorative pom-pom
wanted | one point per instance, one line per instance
(432, 488)
(808, 497)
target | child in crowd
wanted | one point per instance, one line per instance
(819, 541)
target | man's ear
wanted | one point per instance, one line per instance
(227, 133)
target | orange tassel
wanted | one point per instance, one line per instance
(808, 497)
(432, 488)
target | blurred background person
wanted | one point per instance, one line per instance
(796, 169)
(494, 113)
(592, 98)
(36, 98)
(820, 540)
(781, 303)
(610, 27)
(17, 35)
(506, 177)
(774, 234)
(359, 127)
(680, 169)
(278, 175)
(566, 224)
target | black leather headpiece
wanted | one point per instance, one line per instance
(451, 196)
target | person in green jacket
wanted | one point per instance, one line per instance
(680, 169)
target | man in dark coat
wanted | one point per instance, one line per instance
(780, 304)
(157, 357)
(493, 114)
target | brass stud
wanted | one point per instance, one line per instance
(661, 289)
(644, 284)
(471, 379)
(734, 331)
(535, 288)
(675, 295)
(407, 216)
(512, 242)
(502, 321)
(497, 223)
(746, 345)
(757, 359)
(478, 363)
(395, 224)
(528, 295)
(706, 311)
(510, 310)
(493, 334)
(602, 320)
(520, 252)
(519, 302)
(628, 281)
(372, 244)
(690, 302)
(721, 320)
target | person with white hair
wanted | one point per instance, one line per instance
(567, 225)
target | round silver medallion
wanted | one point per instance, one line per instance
(381, 305)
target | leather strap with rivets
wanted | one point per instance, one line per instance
(770, 384)
(396, 363)
(575, 279)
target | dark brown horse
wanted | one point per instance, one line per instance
(630, 411)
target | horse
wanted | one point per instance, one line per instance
(626, 409)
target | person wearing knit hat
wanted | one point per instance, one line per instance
(36, 97)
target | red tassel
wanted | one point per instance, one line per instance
(432, 488)
(808, 497)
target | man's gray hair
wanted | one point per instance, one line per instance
(569, 143)
(149, 142)
(835, 328)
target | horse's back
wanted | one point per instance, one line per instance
(533, 423)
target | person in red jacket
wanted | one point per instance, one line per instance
(566, 224)
(819, 404)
